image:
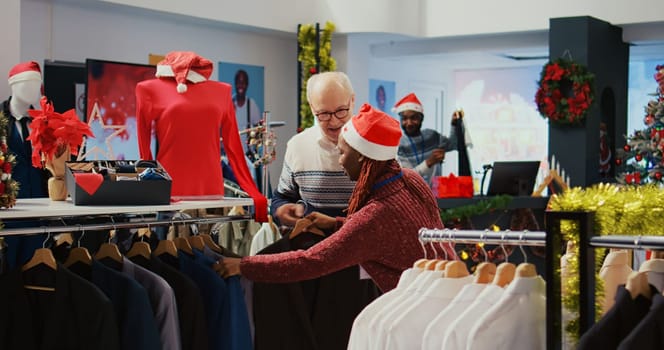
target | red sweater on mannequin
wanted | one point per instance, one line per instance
(187, 126)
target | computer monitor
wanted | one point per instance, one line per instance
(513, 178)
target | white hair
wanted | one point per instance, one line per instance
(329, 77)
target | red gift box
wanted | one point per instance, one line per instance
(453, 186)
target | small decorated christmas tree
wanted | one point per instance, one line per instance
(8, 186)
(642, 160)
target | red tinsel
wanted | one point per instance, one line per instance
(51, 132)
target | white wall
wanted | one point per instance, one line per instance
(10, 40)
(423, 18)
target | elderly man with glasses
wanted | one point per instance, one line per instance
(312, 179)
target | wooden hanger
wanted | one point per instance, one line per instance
(420, 263)
(637, 284)
(109, 250)
(526, 270)
(182, 244)
(485, 273)
(504, 274)
(456, 269)
(210, 243)
(166, 247)
(78, 254)
(237, 210)
(196, 242)
(41, 256)
(64, 238)
(302, 224)
(140, 248)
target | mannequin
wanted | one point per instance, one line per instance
(25, 83)
(189, 115)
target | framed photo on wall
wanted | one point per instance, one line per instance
(248, 89)
(381, 95)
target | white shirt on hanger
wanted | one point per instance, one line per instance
(406, 330)
(516, 322)
(655, 270)
(456, 335)
(377, 335)
(614, 272)
(358, 334)
(434, 334)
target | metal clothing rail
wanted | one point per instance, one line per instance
(529, 238)
(628, 242)
(119, 225)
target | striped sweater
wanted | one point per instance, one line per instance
(414, 151)
(311, 173)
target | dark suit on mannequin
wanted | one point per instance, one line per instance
(25, 83)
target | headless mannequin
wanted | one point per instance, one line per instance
(25, 94)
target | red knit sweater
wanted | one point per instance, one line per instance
(382, 237)
(187, 127)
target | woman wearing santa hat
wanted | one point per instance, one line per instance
(388, 207)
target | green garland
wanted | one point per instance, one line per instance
(482, 207)
(306, 39)
(618, 210)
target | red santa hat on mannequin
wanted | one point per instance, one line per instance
(184, 66)
(408, 103)
(25, 71)
(373, 133)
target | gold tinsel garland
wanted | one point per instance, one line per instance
(306, 39)
(622, 210)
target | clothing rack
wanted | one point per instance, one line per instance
(527, 238)
(119, 225)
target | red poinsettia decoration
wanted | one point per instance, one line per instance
(565, 92)
(52, 132)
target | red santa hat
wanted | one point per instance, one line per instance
(373, 133)
(408, 103)
(25, 71)
(184, 66)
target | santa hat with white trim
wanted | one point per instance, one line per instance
(408, 103)
(184, 66)
(373, 133)
(25, 71)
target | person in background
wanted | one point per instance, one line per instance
(312, 178)
(247, 112)
(380, 97)
(388, 206)
(421, 149)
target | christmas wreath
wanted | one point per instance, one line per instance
(565, 92)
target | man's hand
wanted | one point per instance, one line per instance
(227, 267)
(289, 213)
(437, 156)
(322, 221)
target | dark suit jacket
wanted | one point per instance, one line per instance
(649, 333)
(316, 314)
(191, 314)
(136, 323)
(31, 179)
(76, 315)
(617, 323)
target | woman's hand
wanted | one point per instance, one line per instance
(322, 221)
(228, 267)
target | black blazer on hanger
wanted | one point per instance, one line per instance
(617, 323)
(77, 315)
(649, 333)
(316, 314)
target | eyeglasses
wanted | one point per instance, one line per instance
(340, 113)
